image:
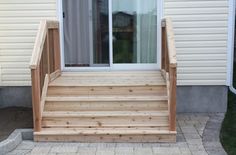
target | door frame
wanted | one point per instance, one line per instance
(112, 66)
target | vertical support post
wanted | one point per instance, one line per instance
(48, 52)
(167, 62)
(163, 48)
(56, 45)
(42, 64)
(35, 75)
(172, 74)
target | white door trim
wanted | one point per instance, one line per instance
(90, 34)
(155, 66)
(61, 26)
(110, 35)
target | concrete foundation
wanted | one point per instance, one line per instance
(189, 98)
(15, 97)
(202, 99)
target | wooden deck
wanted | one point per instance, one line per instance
(111, 106)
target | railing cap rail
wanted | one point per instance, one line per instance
(39, 41)
(167, 22)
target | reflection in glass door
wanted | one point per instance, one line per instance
(134, 26)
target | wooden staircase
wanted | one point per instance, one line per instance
(111, 106)
(108, 107)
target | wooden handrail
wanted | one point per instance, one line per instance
(169, 66)
(45, 62)
(40, 40)
(171, 42)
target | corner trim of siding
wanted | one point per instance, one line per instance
(0, 75)
(230, 52)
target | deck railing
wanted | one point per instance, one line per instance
(169, 66)
(44, 65)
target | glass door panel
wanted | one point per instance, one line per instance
(134, 30)
(86, 33)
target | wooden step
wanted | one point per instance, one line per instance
(105, 118)
(105, 135)
(106, 82)
(106, 90)
(122, 106)
(113, 74)
(105, 114)
(108, 98)
(139, 78)
(105, 105)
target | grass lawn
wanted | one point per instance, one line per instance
(228, 131)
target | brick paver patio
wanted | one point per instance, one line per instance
(194, 138)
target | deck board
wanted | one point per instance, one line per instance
(134, 78)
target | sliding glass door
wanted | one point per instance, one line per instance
(134, 31)
(111, 33)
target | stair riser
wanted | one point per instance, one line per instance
(105, 121)
(129, 90)
(107, 138)
(106, 106)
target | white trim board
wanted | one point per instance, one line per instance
(230, 45)
(110, 34)
(60, 18)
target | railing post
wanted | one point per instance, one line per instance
(169, 64)
(35, 75)
(56, 44)
(48, 52)
(172, 74)
(163, 48)
(42, 65)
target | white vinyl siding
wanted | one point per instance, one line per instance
(200, 28)
(201, 31)
(19, 21)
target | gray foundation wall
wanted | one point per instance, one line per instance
(189, 98)
(15, 97)
(202, 98)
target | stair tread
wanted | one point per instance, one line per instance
(114, 78)
(113, 73)
(153, 125)
(70, 82)
(102, 131)
(103, 113)
(106, 98)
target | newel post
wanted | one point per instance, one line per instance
(172, 74)
(56, 47)
(163, 44)
(35, 76)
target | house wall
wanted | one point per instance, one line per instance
(200, 28)
(19, 20)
